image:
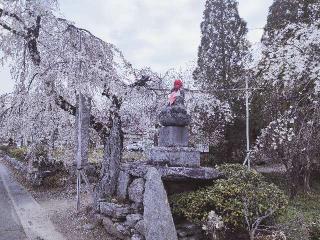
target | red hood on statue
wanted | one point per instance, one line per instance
(176, 92)
(177, 84)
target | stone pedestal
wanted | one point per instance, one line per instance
(175, 156)
(173, 136)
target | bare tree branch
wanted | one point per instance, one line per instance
(10, 29)
(101, 128)
(5, 13)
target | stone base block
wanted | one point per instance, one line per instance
(175, 156)
(173, 136)
(139, 170)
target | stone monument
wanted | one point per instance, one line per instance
(139, 209)
(173, 146)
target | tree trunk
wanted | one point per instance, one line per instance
(306, 176)
(111, 162)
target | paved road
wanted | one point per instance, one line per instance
(10, 226)
(17, 203)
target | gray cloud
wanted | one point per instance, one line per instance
(161, 34)
(158, 33)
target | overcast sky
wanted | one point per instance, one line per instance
(160, 34)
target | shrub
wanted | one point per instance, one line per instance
(241, 199)
(18, 153)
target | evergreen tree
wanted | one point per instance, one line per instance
(223, 45)
(221, 60)
(285, 12)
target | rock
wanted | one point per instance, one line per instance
(174, 116)
(188, 230)
(175, 156)
(135, 169)
(157, 215)
(140, 227)
(111, 228)
(137, 207)
(124, 230)
(173, 137)
(181, 233)
(114, 210)
(137, 237)
(123, 182)
(132, 219)
(98, 218)
(88, 227)
(136, 190)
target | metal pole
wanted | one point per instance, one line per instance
(247, 124)
(78, 189)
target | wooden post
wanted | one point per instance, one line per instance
(82, 139)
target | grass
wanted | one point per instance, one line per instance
(15, 152)
(306, 205)
(302, 218)
(95, 155)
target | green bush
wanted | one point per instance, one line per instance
(17, 153)
(228, 198)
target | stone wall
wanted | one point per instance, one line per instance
(140, 208)
(36, 175)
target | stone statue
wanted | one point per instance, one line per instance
(177, 94)
(175, 113)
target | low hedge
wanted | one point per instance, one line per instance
(229, 198)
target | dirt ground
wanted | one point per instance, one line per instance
(60, 204)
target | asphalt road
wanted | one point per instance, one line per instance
(10, 226)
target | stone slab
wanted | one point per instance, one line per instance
(182, 173)
(173, 173)
(173, 136)
(175, 156)
(83, 111)
(157, 215)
